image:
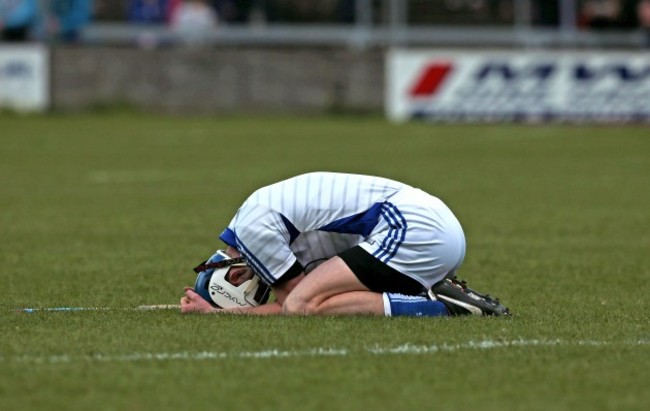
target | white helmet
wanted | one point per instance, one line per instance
(213, 286)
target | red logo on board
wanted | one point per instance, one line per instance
(432, 77)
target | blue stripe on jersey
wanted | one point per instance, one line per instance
(362, 223)
(228, 237)
(259, 268)
(395, 235)
(293, 231)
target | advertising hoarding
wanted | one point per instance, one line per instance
(518, 86)
(24, 77)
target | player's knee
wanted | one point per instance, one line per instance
(297, 306)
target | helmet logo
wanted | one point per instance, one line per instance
(215, 288)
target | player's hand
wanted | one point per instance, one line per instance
(191, 302)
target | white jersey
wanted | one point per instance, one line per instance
(312, 217)
(308, 218)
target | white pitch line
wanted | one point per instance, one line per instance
(404, 349)
(134, 176)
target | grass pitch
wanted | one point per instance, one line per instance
(114, 211)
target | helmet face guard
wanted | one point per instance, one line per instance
(212, 284)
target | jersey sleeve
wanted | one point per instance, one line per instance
(261, 236)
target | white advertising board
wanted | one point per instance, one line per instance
(24, 77)
(518, 86)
